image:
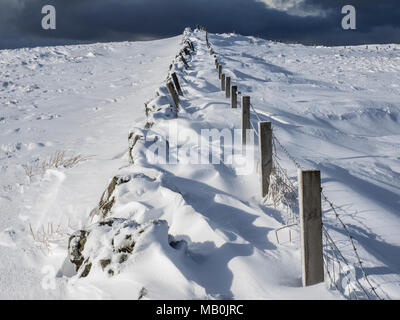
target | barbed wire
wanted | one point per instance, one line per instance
(343, 225)
(335, 257)
(255, 112)
(328, 238)
(283, 190)
(332, 254)
(348, 234)
(255, 130)
(288, 154)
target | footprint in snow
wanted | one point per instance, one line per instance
(48, 117)
(11, 147)
(7, 238)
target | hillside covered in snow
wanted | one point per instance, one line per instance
(86, 212)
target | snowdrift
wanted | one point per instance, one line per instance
(202, 231)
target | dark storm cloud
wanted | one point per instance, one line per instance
(116, 20)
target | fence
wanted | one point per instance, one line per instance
(305, 204)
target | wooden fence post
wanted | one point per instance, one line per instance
(184, 60)
(223, 82)
(177, 85)
(311, 227)
(228, 87)
(190, 44)
(245, 117)
(265, 143)
(234, 97)
(173, 94)
(219, 71)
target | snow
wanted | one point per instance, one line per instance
(200, 231)
(56, 98)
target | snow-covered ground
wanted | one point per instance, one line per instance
(190, 231)
(79, 99)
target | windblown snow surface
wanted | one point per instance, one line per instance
(187, 231)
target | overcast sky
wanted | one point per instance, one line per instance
(305, 21)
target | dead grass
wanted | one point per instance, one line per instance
(59, 159)
(44, 235)
(282, 192)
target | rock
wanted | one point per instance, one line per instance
(105, 245)
(123, 258)
(104, 263)
(107, 201)
(86, 270)
(76, 244)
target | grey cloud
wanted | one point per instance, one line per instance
(118, 20)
